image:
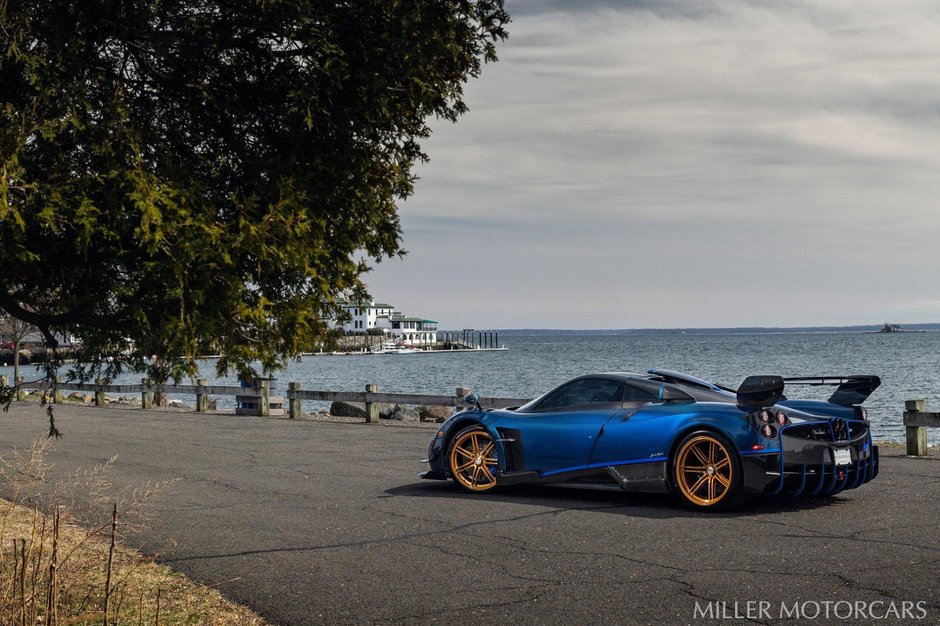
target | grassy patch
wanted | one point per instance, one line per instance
(67, 566)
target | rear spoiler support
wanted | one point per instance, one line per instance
(852, 390)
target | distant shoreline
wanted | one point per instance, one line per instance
(742, 330)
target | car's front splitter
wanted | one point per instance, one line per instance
(433, 474)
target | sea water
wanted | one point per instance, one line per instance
(908, 364)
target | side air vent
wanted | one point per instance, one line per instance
(512, 444)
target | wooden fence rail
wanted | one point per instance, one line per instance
(916, 423)
(257, 399)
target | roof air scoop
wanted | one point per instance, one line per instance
(674, 377)
(758, 392)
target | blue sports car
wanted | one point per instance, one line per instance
(666, 431)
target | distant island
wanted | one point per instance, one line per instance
(745, 330)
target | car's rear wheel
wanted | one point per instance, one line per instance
(472, 459)
(707, 473)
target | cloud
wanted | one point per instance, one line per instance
(648, 154)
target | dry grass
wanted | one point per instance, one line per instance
(66, 566)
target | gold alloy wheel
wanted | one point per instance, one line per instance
(704, 471)
(473, 460)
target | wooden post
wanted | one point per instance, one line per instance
(146, 394)
(372, 408)
(56, 392)
(264, 402)
(916, 435)
(20, 392)
(293, 404)
(99, 393)
(202, 399)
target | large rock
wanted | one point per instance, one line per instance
(404, 413)
(358, 409)
(435, 413)
(80, 398)
(347, 409)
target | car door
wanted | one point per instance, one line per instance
(630, 436)
(559, 432)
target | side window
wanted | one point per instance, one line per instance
(585, 391)
(632, 394)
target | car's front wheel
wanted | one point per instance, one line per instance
(472, 460)
(706, 472)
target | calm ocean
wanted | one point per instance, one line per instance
(908, 364)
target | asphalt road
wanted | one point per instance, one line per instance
(327, 523)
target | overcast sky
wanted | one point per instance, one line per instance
(686, 164)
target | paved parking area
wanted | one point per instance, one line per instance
(327, 523)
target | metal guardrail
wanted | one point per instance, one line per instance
(259, 395)
(916, 423)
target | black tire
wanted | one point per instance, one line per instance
(471, 459)
(706, 472)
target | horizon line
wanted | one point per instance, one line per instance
(701, 328)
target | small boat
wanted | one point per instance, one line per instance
(895, 328)
(391, 347)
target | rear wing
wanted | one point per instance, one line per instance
(758, 392)
(851, 390)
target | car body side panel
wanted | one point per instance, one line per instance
(557, 441)
(649, 433)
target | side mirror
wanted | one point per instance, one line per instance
(474, 399)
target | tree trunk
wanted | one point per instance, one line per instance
(159, 393)
(159, 397)
(16, 360)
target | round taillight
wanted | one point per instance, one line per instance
(765, 417)
(768, 431)
(781, 418)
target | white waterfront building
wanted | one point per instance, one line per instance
(361, 317)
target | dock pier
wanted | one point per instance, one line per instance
(470, 339)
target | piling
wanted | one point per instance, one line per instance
(99, 392)
(264, 401)
(372, 408)
(293, 404)
(202, 398)
(146, 394)
(916, 423)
